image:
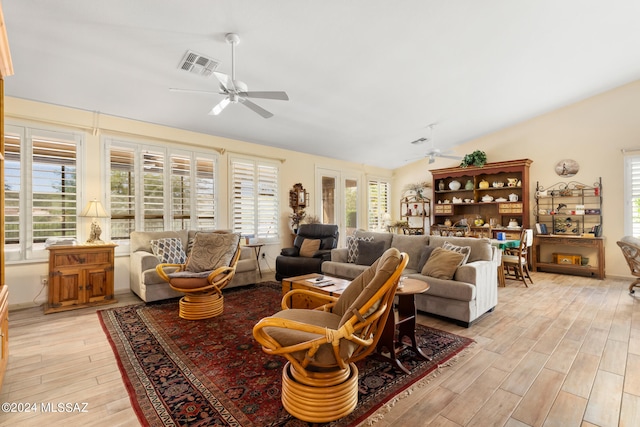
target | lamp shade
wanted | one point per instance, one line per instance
(94, 209)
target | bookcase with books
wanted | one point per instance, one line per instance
(569, 229)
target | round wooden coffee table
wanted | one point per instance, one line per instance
(405, 321)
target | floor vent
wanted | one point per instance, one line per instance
(198, 64)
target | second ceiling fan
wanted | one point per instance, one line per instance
(236, 91)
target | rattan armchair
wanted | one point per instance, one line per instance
(210, 267)
(631, 250)
(320, 378)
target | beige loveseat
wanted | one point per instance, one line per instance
(471, 292)
(145, 282)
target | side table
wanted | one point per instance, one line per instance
(406, 323)
(257, 247)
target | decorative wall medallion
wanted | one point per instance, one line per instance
(567, 167)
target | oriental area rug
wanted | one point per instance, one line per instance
(213, 373)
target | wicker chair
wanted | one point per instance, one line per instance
(320, 378)
(631, 250)
(210, 267)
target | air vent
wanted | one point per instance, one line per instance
(198, 64)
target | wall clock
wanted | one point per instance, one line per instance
(567, 167)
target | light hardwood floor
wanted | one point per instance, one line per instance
(563, 352)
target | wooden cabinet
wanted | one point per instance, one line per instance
(417, 213)
(80, 276)
(569, 215)
(497, 191)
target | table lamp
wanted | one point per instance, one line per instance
(94, 210)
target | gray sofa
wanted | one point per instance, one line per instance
(472, 292)
(145, 282)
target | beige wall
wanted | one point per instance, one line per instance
(592, 132)
(24, 279)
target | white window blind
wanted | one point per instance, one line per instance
(254, 198)
(41, 178)
(378, 201)
(153, 190)
(123, 192)
(632, 195)
(190, 176)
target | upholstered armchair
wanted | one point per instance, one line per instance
(311, 247)
(631, 250)
(320, 378)
(209, 268)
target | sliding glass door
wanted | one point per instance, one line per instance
(337, 200)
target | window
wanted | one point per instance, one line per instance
(41, 175)
(378, 197)
(190, 176)
(632, 195)
(254, 198)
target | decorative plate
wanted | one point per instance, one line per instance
(567, 167)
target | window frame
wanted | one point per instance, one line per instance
(631, 161)
(28, 251)
(257, 163)
(140, 148)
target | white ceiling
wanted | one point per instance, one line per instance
(364, 77)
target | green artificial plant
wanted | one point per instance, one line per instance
(477, 158)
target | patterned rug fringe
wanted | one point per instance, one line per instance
(386, 408)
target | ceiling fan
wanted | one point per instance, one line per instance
(237, 91)
(434, 152)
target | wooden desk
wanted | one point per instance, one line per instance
(405, 320)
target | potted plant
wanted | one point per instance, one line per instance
(477, 158)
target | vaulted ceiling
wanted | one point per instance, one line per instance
(364, 77)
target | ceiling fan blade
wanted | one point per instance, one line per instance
(279, 95)
(258, 109)
(225, 81)
(446, 156)
(219, 107)
(175, 89)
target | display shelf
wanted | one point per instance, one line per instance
(495, 182)
(417, 213)
(569, 221)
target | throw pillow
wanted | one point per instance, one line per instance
(424, 256)
(212, 250)
(442, 264)
(169, 250)
(369, 251)
(309, 247)
(464, 250)
(352, 247)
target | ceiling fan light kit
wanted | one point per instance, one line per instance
(237, 91)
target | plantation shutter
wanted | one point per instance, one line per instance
(12, 191)
(205, 193)
(153, 191)
(254, 199)
(122, 178)
(54, 207)
(181, 192)
(378, 195)
(632, 166)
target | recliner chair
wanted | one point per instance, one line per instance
(289, 263)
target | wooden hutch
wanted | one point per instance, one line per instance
(466, 200)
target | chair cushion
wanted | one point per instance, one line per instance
(442, 263)
(352, 247)
(212, 250)
(189, 279)
(309, 247)
(287, 337)
(369, 252)
(168, 250)
(363, 287)
(464, 250)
